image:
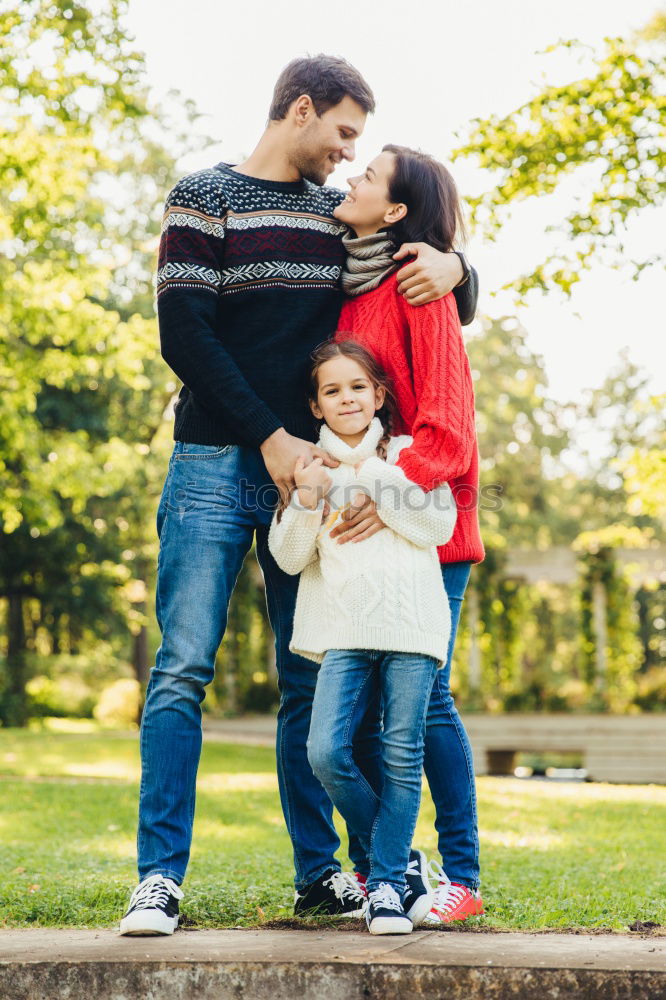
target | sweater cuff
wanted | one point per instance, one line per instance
(296, 505)
(375, 474)
(259, 425)
(417, 470)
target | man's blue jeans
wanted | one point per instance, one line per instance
(448, 761)
(215, 500)
(347, 685)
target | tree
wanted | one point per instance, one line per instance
(610, 124)
(83, 170)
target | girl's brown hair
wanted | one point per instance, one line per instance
(380, 380)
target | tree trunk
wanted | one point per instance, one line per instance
(14, 706)
(140, 654)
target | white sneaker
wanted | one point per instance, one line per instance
(153, 907)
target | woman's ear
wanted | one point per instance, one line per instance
(380, 396)
(315, 409)
(395, 213)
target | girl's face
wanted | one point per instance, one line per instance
(346, 398)
(367, 208)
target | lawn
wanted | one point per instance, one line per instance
(554, 855)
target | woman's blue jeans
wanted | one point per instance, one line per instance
(448, 761)
(348, 683)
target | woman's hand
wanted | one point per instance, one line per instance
(359, 521)
(313, 482)
(431, 276)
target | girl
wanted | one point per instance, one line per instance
(406, 196)
(375, 615)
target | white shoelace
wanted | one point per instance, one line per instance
(447, 895)
(345, 886)
(386, 897)
(154, 891)
(414, 867)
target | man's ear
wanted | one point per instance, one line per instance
(395, 214)
(314, 406)
(303, 109)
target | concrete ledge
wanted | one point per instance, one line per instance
(328, 965)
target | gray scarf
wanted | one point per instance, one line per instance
(369, 261)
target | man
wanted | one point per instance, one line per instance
(247, 286)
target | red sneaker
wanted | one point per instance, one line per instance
(451, 900)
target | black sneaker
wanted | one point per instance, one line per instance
(385, 913)
(153, 907)
(334, 894)
(417, 900)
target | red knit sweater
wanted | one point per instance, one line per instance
(422, 349)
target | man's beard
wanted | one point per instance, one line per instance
(311, 168)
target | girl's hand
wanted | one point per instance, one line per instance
(313, 482)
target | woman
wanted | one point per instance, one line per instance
(406, 196)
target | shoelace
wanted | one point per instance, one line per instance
(345, 886)
(154, 891)
(447, 895)
(385, 897)
(413, 868)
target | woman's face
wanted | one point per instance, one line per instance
(346, 398)
(367, 208)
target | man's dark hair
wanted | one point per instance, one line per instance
(326, 80)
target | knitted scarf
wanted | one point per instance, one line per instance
(369, 261)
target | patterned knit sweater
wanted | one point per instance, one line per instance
(385, 592)
(422, 350)
(247, 287)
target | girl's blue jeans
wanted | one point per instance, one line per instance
(448, 761)
(215, 501)
(348, 683)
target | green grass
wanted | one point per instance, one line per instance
(553, 855)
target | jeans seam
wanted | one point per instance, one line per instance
(280, 749)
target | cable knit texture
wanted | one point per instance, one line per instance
(385, 592)
(422, 349)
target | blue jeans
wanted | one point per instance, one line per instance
(214, 502)
(347, 684)
(448, 761)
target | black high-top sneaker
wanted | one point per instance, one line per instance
(418, 897)
(385, 913)
(153, 907)
(333, 894)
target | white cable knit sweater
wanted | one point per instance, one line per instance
(385, 592)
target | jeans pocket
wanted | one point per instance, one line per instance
(186, 451)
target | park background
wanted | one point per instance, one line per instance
(552, 122)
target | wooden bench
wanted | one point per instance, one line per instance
(619, 748)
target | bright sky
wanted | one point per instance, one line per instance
(433, 65)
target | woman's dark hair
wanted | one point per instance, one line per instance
(326, 80)
(426, 187)
(380, 380)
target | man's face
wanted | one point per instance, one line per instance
(323, 142)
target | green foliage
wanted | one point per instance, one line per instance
(608, 127)
(616, 688)
(83, 169)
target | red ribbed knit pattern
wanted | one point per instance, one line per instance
(422, 349)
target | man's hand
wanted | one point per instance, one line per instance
(431, 276)
(280, 452)
(359, 521)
